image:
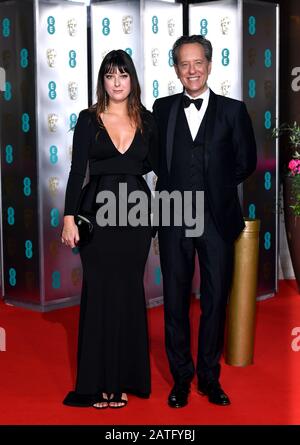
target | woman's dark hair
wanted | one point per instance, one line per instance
(192, 39)
(119, 59)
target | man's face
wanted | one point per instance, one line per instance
(193, 68)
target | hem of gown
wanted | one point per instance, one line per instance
(86, 400)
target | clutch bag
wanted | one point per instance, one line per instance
(85, 229)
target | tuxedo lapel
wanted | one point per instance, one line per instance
(210, 124)
(171, 130)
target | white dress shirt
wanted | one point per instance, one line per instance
(194, 116)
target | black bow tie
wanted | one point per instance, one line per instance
(187, 101)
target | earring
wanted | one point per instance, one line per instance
(105, 101)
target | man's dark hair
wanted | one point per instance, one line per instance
(192, 39)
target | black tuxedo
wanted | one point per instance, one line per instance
(229, 155)
(222, 155)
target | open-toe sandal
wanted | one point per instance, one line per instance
(117, 398)
(101, 400)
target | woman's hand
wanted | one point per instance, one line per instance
(69, 235)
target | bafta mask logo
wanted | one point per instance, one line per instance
(8, 121)
(171, 87)
(53, 248)
(29, 279)
(171, 27)
(53, 185)
(72, 27)
(225, 22)
(24, 87)
(28, 218)
(267, 270)
(9, 185)
(127, 24)
(267, 211)
(253, 115)
(251, 56)
(267, 147)
(52, 122)
(27, 152)
(155, 56)
(268, 89)
(225, 87)
(103, 54)
(11, 245)
(73, 90)
(251, 188)
(268, 26)
(76, 276)
(51, 57)
(6, 57)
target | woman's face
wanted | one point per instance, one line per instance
(117, 85)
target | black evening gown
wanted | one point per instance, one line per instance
(113, 350)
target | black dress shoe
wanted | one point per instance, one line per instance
(214, 392)
(178, 397)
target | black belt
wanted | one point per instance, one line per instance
(110, 166)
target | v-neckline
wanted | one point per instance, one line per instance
(114, 145)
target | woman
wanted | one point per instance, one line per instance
(116, 138)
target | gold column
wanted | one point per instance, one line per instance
(242, 302)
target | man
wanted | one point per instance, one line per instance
(206, 145)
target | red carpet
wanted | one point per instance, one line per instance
(37, 370)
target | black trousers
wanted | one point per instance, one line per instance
(177, 254)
